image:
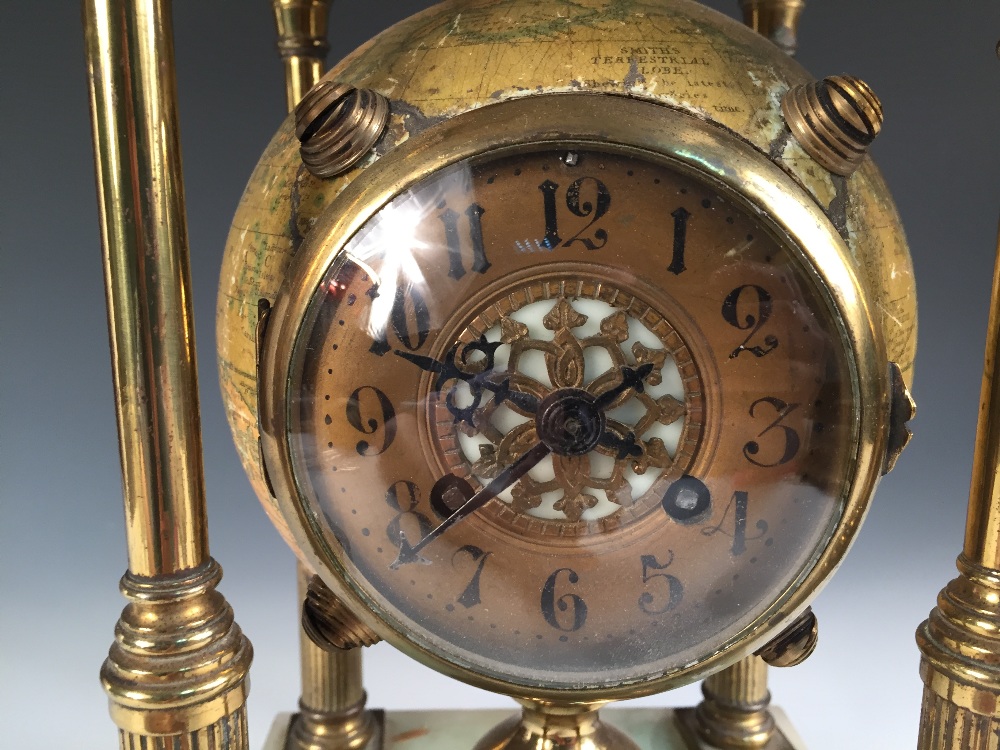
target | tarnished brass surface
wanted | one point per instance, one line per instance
(302, 43)
(944, 725)
(542, 726)
(431, 68)
(778, 20)
(147, 278)
(353, 729)
(177, 671)
(835, 120)
(795, 644)
(734, 713)
(960, 663)
(228, 732)
(629, 123)
(332, 713)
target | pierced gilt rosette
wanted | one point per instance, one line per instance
(594, 345)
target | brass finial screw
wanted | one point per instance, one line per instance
(331, 625)
(834, 120)
(337, 124)
(302, 43)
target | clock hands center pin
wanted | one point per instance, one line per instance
(569, 422)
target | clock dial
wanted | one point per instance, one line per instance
(571, 417)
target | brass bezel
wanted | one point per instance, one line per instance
(696, 146)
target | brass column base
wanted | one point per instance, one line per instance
(734, 714)
(960, 663)
(177, 672)
(647, 728)
(351, 730)
(544, 726)
(692, 728)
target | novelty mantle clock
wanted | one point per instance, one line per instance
(564, 343)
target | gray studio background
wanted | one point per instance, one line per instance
(61, 543)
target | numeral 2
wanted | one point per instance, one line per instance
(751, 321)
(595, 210)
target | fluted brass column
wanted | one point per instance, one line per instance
(302, 43)
(176, 674)
(332, 712)
(960, 641)
(734, 713)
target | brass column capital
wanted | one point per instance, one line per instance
(302, 43)
(179, 661)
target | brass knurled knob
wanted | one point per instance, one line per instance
(834, 120)
(795, 644)
(331, 625)
(337, 124)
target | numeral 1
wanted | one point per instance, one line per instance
(681, 216)
(552, 238)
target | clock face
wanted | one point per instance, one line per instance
(571, 418)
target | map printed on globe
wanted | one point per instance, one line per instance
(684, 57)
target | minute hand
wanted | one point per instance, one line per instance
(411, 553)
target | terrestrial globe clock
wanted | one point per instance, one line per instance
(566, 344)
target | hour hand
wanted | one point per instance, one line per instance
(411, 553)
(624, 447)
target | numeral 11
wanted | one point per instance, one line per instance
(449, 218)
